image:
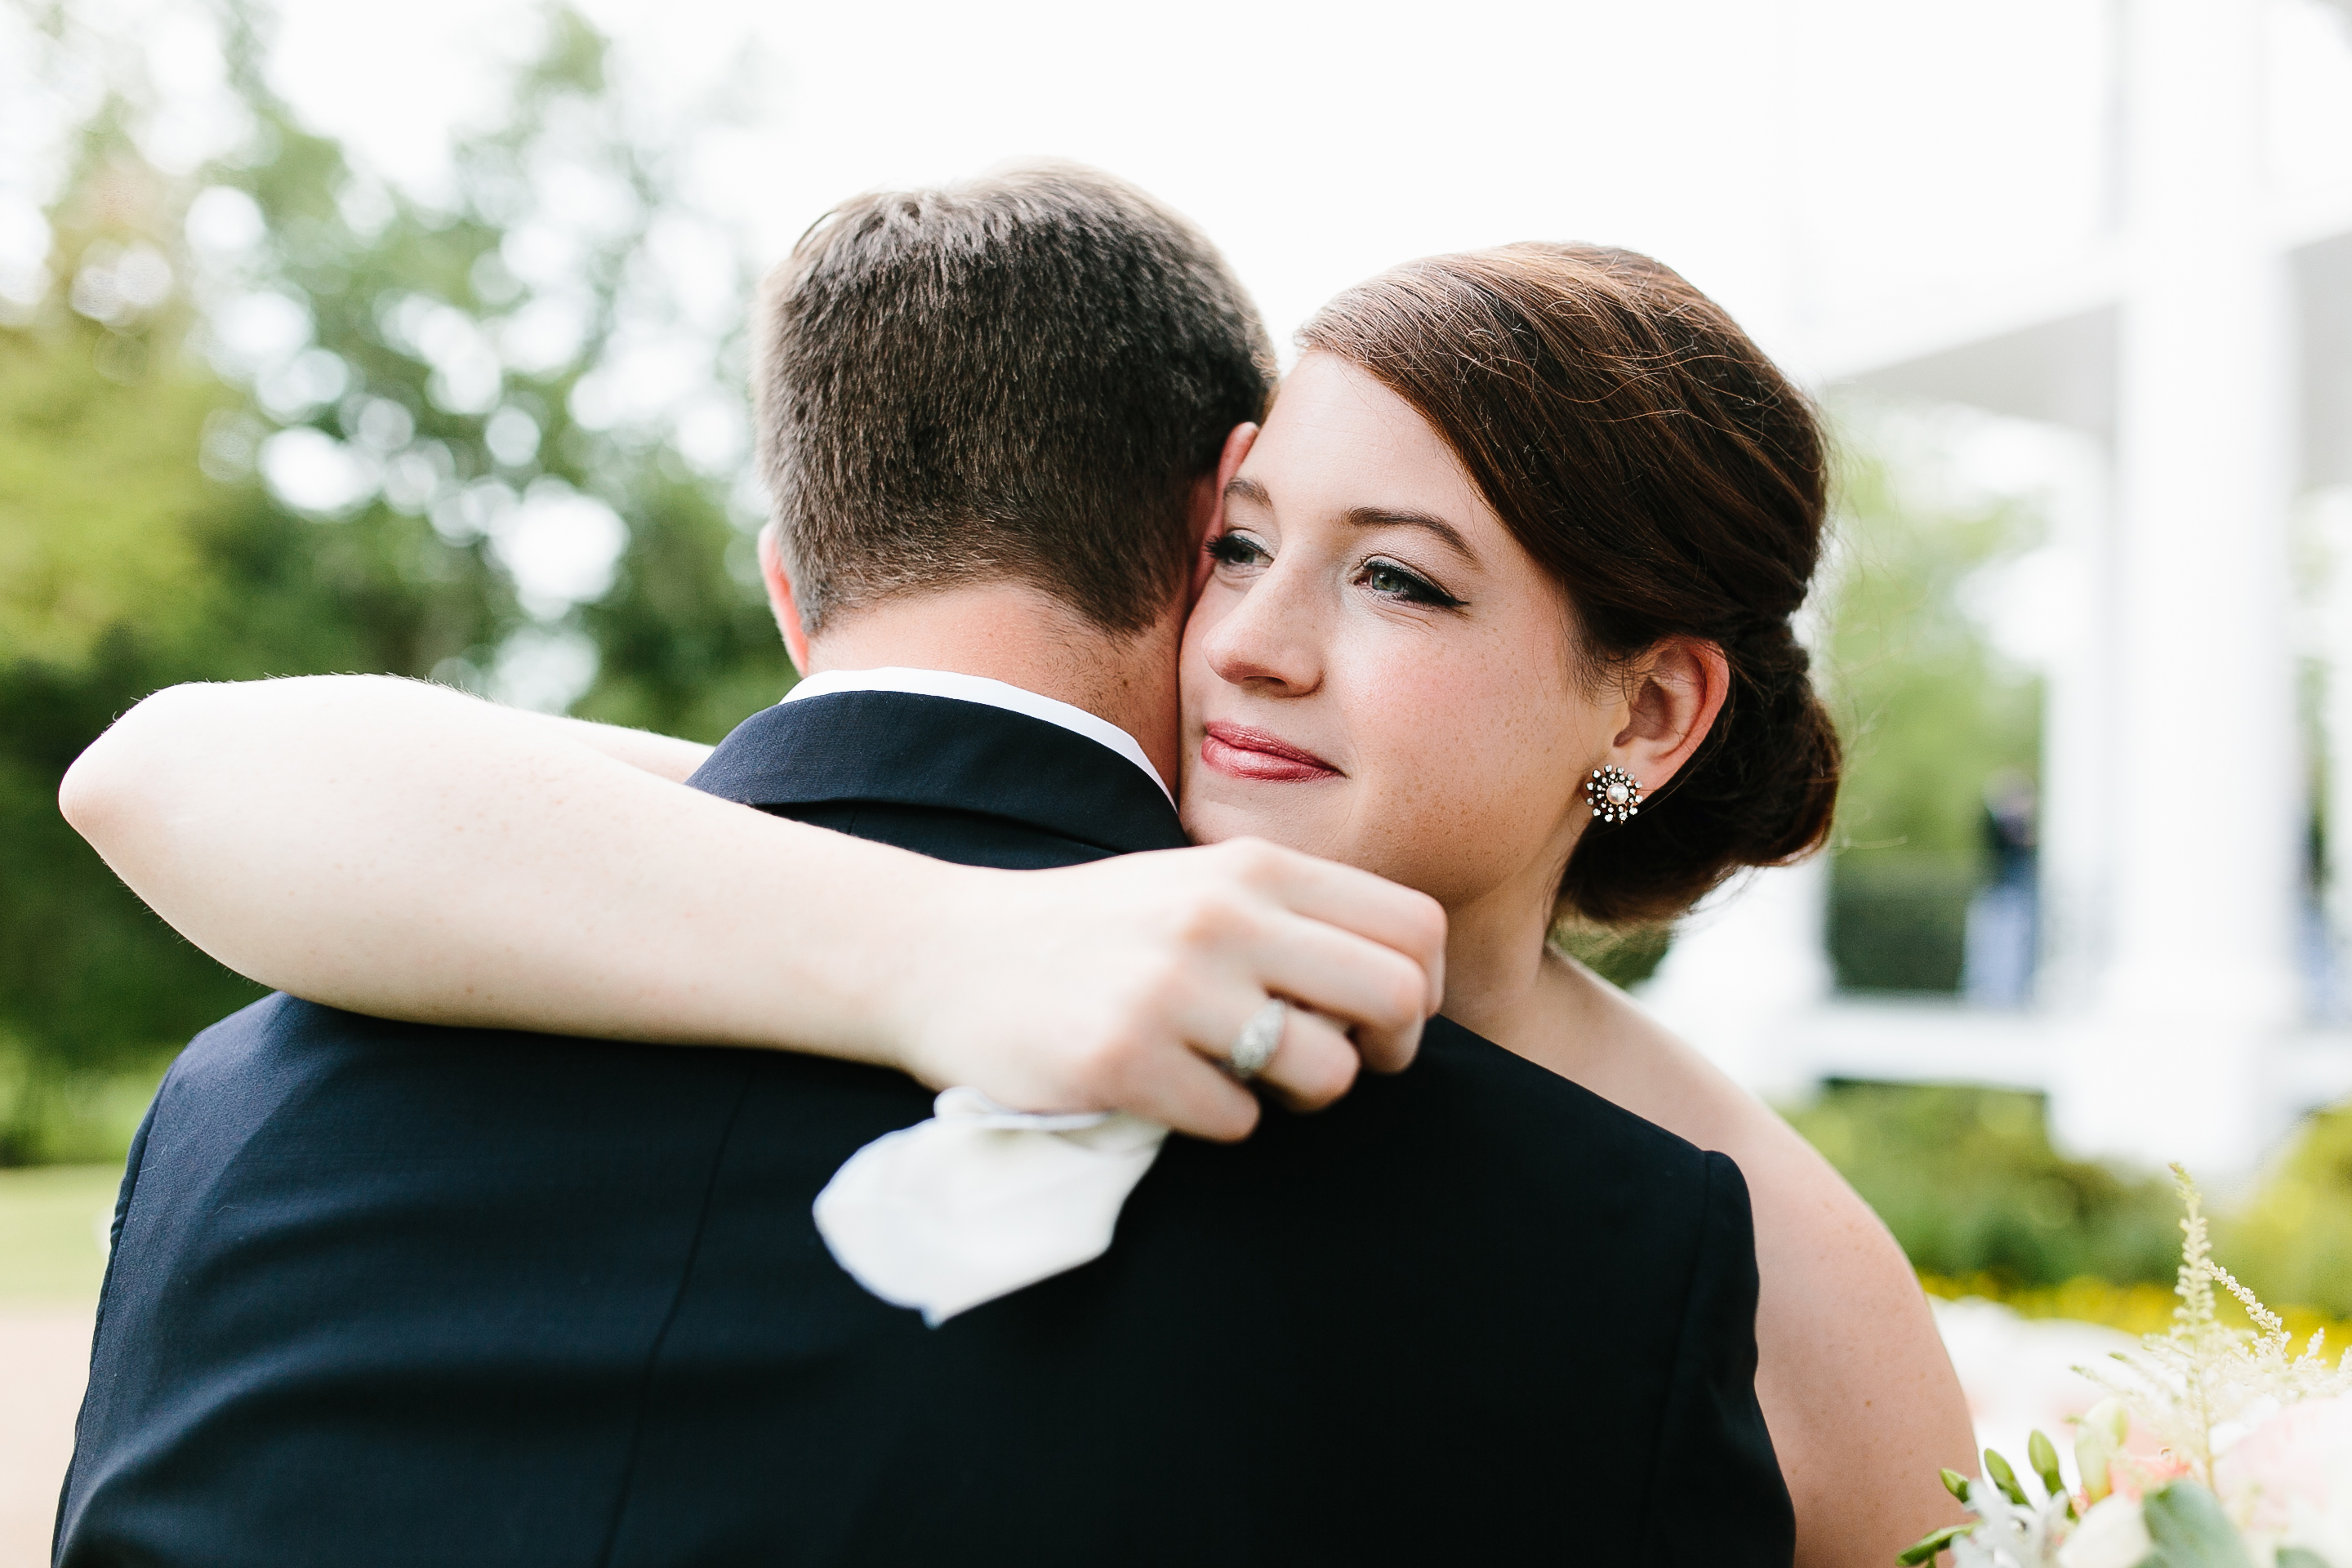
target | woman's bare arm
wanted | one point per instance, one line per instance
(401, 849)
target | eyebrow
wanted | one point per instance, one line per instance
(1250, 490)
(1384, 517)
(1239, 488)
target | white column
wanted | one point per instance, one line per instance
(2078, 730)
(2334, 529)
(2207, 798)
(1751, 958)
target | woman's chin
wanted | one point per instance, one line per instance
(1211, 815)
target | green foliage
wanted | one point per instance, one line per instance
(404, 295)
(1997, 1470)
(2190, 1530)
(445, 378)
(2044, 1456)
(2292, 1241)
(687, 648)
(1898, 923)
(2010, 1526)
(1928, 710)
(53, 1227)
(1623, 956)
(1925, 1549)
(1966, 1180)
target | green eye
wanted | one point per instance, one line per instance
(1389, 578)
(1236, 550)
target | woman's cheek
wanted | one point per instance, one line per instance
(1194, 679)
(1542, 731)
(1463, 720)
(1444, 807)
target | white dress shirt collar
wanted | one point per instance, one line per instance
(991, 693)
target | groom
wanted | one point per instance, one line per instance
(385, 1293)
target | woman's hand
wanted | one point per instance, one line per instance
(402, 850)
(1120, 985)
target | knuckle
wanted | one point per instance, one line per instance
(1325, 1073)
(1206, 918)
(1429, 922)
(1253, 859)
(1325, 1077)
(1234, 1124)
(1153, 1001)
(1409, 990)
(1106, 1072)
(1342, 1075)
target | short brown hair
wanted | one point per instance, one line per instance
(1666, 473)
(1017, 378)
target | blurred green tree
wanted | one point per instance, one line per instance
(2291, 1240)
(1966, 1180)
(1928, 708)
(279, 418)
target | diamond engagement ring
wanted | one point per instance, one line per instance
(1259, 1040)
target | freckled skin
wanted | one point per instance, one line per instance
(1438, 683)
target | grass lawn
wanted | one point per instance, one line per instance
(53, 1232)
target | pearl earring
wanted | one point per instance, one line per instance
(1613, 794)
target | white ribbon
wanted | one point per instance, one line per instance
(980, 1201)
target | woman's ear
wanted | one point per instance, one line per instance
(787, 609)
(1679, 688)
(1208, 503)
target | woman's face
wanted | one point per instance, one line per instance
(1376, 671)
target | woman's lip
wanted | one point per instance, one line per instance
(1248, 753)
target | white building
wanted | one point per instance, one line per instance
(2200, 351)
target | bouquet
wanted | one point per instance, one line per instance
(2252, 1460)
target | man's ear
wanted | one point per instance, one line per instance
(787, 609)
(1678, 690)
(1209, 501)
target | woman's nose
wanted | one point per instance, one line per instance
(1271, 638)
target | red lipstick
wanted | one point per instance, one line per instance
(1247, 753)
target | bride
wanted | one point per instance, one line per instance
(1496, 606)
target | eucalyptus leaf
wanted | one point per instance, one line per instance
(2191, 1531)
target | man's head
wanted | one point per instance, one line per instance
(1025, 379)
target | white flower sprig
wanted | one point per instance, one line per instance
(2196, 1388)
(2200, 1384)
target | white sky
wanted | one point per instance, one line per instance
(1805, 160)
(1797, 158)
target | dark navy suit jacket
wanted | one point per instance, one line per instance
(387, 1294)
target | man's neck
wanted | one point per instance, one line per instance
(1009, 632)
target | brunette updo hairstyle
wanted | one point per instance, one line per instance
(1653, 461)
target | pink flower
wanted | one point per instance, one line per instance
(2301, 1455)
(2133, 1475)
